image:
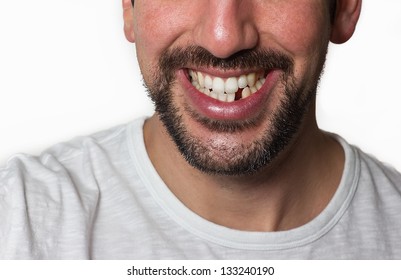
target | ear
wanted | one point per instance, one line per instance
(128, 14)
(345, 20)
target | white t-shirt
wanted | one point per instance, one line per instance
(99, 197)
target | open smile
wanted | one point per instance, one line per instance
(228, 95)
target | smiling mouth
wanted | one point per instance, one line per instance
(227, 89)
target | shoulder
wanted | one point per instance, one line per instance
(371, 220)
(378, 191)
(54, 160)
(377, 172)
(366, 169)
(43, 197)
(376, 187)
(67, 161)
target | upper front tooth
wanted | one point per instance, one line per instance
(218, 85)
(242, 81)
(208, 82)
(231, 85)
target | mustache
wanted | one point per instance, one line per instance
(196, 56)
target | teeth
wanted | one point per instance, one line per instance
(246, 92)
(218, 85)
(222, 96)
(208, 82)
(193, 75)
(196, 85)
(206, 91)
(242, 81)
(230, 97)
(213, 94)
(258, 85)
(251, 78)
(225, 89)
(231, 85)
(201, 80)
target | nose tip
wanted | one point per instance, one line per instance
(226, 29)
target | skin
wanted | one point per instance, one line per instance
(301, 180)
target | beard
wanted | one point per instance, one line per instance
(236, 159)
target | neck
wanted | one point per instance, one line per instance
(290, 192)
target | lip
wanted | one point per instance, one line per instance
(231, 111)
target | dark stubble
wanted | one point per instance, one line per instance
(239, 158)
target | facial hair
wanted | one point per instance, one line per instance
(237, 159)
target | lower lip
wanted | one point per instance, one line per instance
(238, 110)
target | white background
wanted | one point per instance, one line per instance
(66, 70)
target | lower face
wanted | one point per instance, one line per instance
(230, 125)
(235, 115)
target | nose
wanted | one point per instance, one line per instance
(226, 27)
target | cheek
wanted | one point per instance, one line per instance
(303, 31)
(307, 42)
(147, 27)
(151, 35)
(300, 27)
(158, 24)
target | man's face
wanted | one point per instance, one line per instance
(232, 81)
